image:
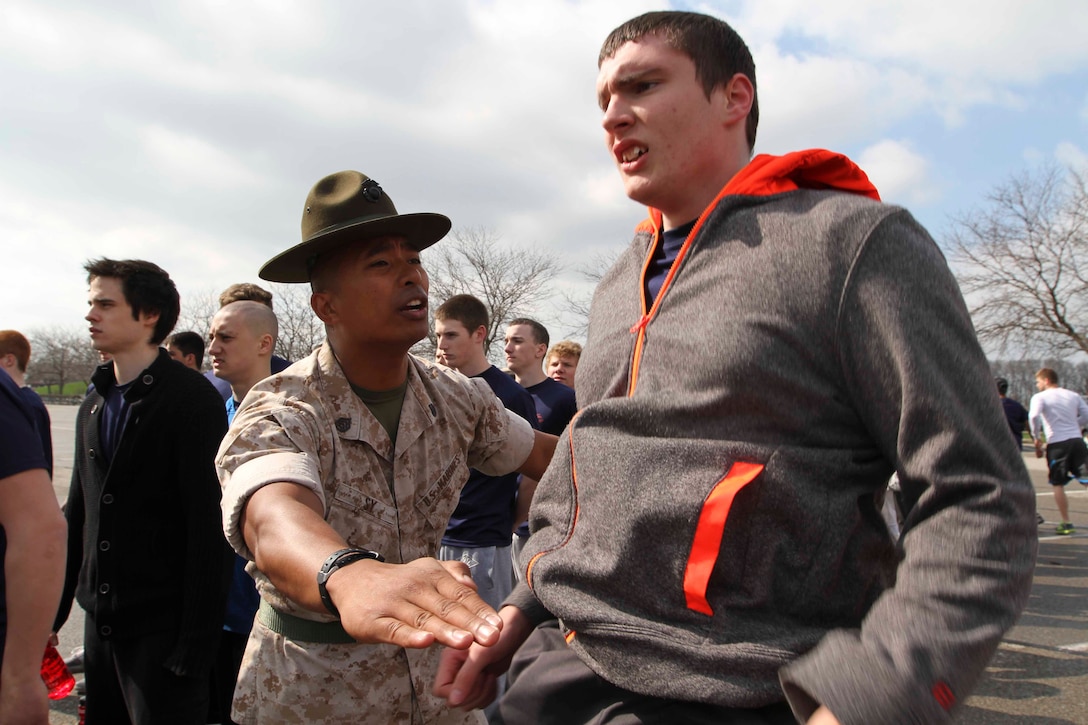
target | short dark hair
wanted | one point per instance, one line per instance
(190, 343)
(13, 342)
(717, 51)
(466, 309)
(1048, 375)
(245, 292)
(147, 288)
(540, 333)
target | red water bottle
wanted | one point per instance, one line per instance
(55, 674)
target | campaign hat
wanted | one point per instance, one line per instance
(347, 207)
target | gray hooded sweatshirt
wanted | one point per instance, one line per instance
(709, 527)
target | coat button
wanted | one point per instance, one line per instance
(104, 545)
(147, 380)
(91, 454)
(104, 589)
(105, 630)
(108, 498)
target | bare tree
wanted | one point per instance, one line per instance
(1021, 375)
(578, 304)
(510, 282)
(197, 310)
(300, 329)
(60, 355)
(1022, 261)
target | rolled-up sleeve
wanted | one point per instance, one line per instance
(503, 439)
(264, 445)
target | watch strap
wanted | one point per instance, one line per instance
(336, 561)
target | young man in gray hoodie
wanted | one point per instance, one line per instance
(706, 543)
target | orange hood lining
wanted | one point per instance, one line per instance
(764, 175)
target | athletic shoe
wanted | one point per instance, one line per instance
(1065, 528)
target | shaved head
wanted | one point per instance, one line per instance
(240, 343)
(257, 317)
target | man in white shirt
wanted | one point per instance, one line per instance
(1060, 414)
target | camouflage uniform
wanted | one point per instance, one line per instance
(306, 426)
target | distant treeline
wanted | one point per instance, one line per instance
(1021, 375)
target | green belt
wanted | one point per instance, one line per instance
(302, 630)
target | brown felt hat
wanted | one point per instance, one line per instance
(348, 207)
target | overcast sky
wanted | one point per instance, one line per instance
(188, 133)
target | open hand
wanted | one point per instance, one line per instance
(413, 604)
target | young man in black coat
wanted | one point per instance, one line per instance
(147, 559)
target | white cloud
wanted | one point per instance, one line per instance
(963, 52)
(190, 130)
(1071, 155)
(191, 161)
(823, 101)
(990, 40)
(1032, 155)
(901, 175)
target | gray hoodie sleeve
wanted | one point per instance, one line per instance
(923, 388)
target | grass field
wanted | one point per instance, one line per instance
(77, 388)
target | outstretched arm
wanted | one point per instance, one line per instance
(540, 456)
(410, 605)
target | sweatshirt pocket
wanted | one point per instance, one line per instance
(709, 530)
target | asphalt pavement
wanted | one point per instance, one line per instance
(1039, 674)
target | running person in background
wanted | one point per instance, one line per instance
(1057, 418)
(1015, 414)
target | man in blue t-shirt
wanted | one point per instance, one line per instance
(14, 357)
(32, 535)
(526, 344)
(479, 530)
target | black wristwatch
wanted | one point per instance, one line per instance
(338, 560)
